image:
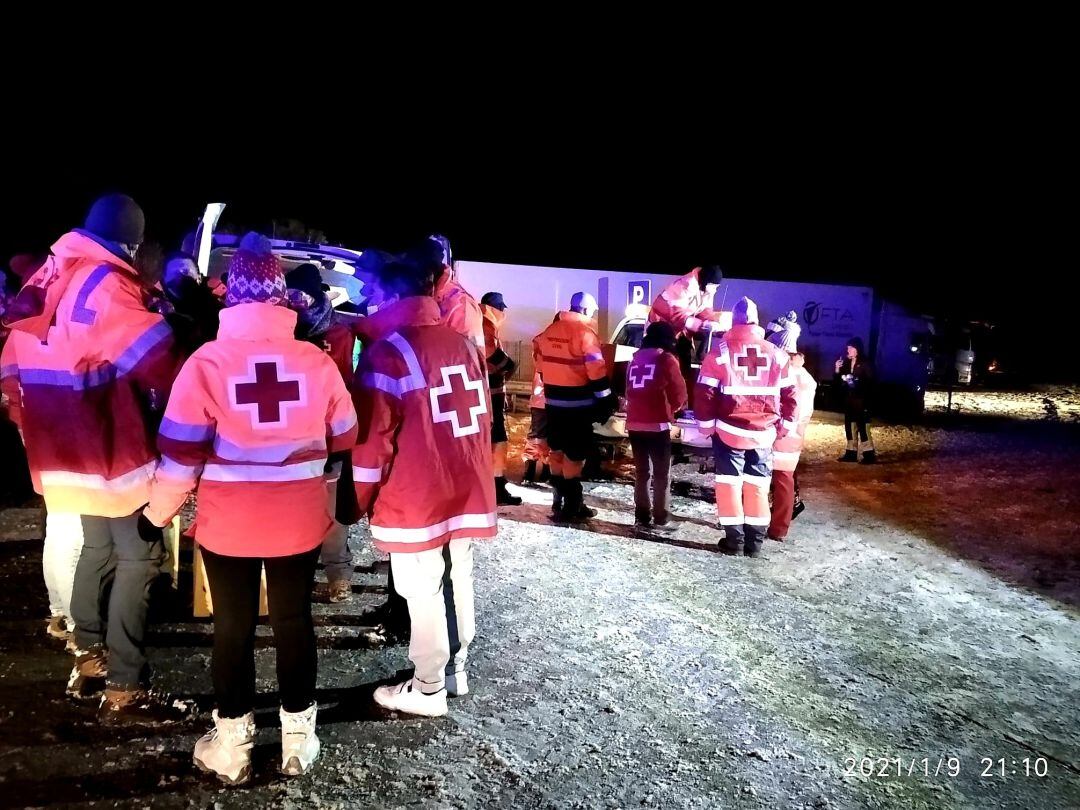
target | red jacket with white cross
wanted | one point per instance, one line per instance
(655, 390)
(251, 421)
(745, 393)
(422, 463)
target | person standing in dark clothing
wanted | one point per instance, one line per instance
(317, 323)
(855, 381)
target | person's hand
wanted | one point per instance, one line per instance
(839, 363)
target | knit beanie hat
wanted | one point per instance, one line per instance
(255, 274)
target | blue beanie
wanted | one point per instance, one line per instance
(117, 218)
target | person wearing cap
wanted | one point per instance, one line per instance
(85, 352)
(318, 324)
(855, 381)
(252, 420)
(391, 618)
(786, 503)
(422, 472)
(745, 398)
(499, 366)
(687, 305)
(316, 319)
(784, 331)
(577, 393)
(655, 391)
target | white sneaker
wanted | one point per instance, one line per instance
(405, 698)
(226, 749)
(299, 745)
(457, 683)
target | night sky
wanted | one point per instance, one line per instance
(951, 212)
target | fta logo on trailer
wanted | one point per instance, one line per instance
(825, 320)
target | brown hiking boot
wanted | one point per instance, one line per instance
(57, 627)
(340, 590)
(87, 680)
(142, 707)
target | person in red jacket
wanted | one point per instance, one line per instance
(251, 422)
(686, 304)
(86, 354)
(745, 397)
(422, 470)
(786, 503)
(457, 308)
(319, 324)
(655, 391)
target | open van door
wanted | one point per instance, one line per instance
(204, 236)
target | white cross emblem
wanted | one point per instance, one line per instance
(454, 415)
(647, 373)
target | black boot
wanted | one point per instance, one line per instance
(869, 457)
(642, 517)
(545, 474)
(557, 483)
(502, 497)
(574, 508)
(530, 472)
(729, 545)
(849, 455)
(797, 509)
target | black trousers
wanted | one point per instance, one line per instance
(857, 420)
(570, 431)
(498, 417)
(652, 457)
(234, 587)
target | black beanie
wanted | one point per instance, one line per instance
(659, 335)
(117, 218)
(710, 274)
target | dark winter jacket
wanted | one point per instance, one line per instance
(856, 386)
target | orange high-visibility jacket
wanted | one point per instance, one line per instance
(571, 362)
